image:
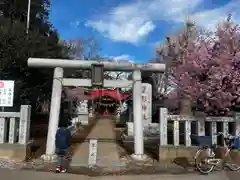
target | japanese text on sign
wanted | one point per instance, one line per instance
(146, 101)
(6, 93)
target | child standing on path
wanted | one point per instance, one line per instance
(62, 143)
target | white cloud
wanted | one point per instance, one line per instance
(133, 21)
(122, 57)
(210, 18)
(132, 31)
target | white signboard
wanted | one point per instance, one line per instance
(6, 93)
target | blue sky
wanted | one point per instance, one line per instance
(130, 29)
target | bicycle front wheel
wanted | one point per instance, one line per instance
(232, 161)
(201, 162)
(233, 166)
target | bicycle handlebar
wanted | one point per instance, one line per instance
(225, 135)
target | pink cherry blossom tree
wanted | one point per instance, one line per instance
(206, 70)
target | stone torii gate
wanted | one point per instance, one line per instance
(59, 81)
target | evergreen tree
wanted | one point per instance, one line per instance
(31, 85)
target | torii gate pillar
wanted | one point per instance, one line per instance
(54, 113)
(137, 116)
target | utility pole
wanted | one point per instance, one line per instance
(1, 69)
(28, 17)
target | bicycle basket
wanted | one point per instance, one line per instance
(202, 140)
(236, 143)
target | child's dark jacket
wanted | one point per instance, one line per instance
(63, 138)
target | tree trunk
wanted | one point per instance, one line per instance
(185, 107)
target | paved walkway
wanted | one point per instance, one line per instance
(21, 174)
(107, 152)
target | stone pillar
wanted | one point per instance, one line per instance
(12, 131)
(163, 122)
(54, 114)
(137, 116)
(130, 130)
(237, 125)
(200, 123)
(3, 130)
(24, 126)
(90, 112)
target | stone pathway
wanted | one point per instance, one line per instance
(107, 150)
(11, 164)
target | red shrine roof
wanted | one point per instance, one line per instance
(80, 94)
(111, 93)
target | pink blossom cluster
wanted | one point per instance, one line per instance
(208, 71)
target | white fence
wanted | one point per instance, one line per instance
(172, 123)
(15, 126)
(176, 129)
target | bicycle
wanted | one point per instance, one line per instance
(208, 150)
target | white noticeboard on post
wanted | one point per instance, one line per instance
(6, 93)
